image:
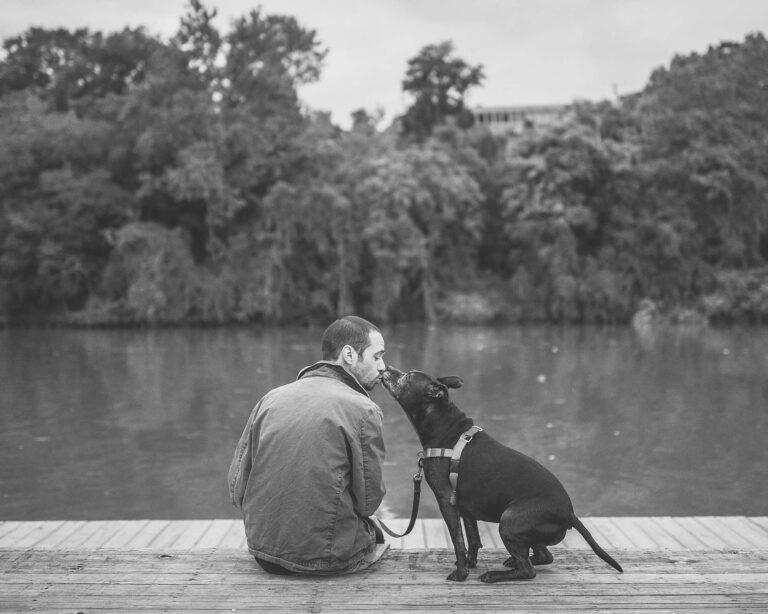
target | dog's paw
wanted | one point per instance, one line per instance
(458, 575)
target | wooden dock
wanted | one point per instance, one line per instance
(672, 564)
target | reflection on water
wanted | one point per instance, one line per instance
(142, 423)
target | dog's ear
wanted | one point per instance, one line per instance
(451, 381)
(436, 391)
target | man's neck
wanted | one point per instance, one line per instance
(336, 370)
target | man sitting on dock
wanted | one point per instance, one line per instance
(306, 472)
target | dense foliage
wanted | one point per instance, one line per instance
(150, 181)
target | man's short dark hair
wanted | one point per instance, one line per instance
(349, 330)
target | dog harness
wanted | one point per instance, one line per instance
(455, 455)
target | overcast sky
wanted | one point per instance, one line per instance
(533, 51)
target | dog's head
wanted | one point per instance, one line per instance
(418, 393)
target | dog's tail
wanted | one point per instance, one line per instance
(576, 524)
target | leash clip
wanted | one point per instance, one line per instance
(420, 457)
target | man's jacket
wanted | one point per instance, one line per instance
(307, 473)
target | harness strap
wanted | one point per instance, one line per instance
(455, 455)
(438, 452)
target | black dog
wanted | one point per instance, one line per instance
(495, 483)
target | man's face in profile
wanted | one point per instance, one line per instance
(370, 363)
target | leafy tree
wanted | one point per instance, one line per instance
(199, 40)
(422, 230)
(267, 58)
(151, 275)
(703, 128)
(366, 122)
(55, 202)
(54, 246)
(438, 81)
(69, 69)
(557, 204)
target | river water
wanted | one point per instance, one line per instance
(130, 424)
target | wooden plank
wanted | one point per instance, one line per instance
(207, 592)
(404, 581)
(56, 537)
(216, 532)
(21, 531)
(724, 531)
(760, 521)
(105, 529)
(746, 532)
(210, 595)
(415, 540)
(656, 530)
(80, 535)
(690, 530)
(149, 533)
(611, 533)
(125, 534)
(602, 530)
(37, 533)
(203, 575)
(708, 537)
(729, 538)
(8, 526)
(170, 534)
(120, 562)
(677, 537)
(643, 533)
(615, 538)
(635, 539)
(436, 533)
(191, 534)
(667, 562)
(234, 537)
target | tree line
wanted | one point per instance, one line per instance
(145, 181)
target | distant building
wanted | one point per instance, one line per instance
(518, 118)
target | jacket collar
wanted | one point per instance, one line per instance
(324, 368)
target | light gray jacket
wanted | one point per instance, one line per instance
(307, 473)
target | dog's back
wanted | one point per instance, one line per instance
(492, 476)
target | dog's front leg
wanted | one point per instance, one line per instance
(473, 539)
(453, 521)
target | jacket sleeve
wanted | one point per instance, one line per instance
(367, 459)
(240, 468)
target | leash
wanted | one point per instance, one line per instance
(414, 507)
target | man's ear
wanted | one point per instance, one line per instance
(451, 381)
(348, 354)
(436, 391)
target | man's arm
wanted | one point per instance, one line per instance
(367, 459)
(240, 468)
